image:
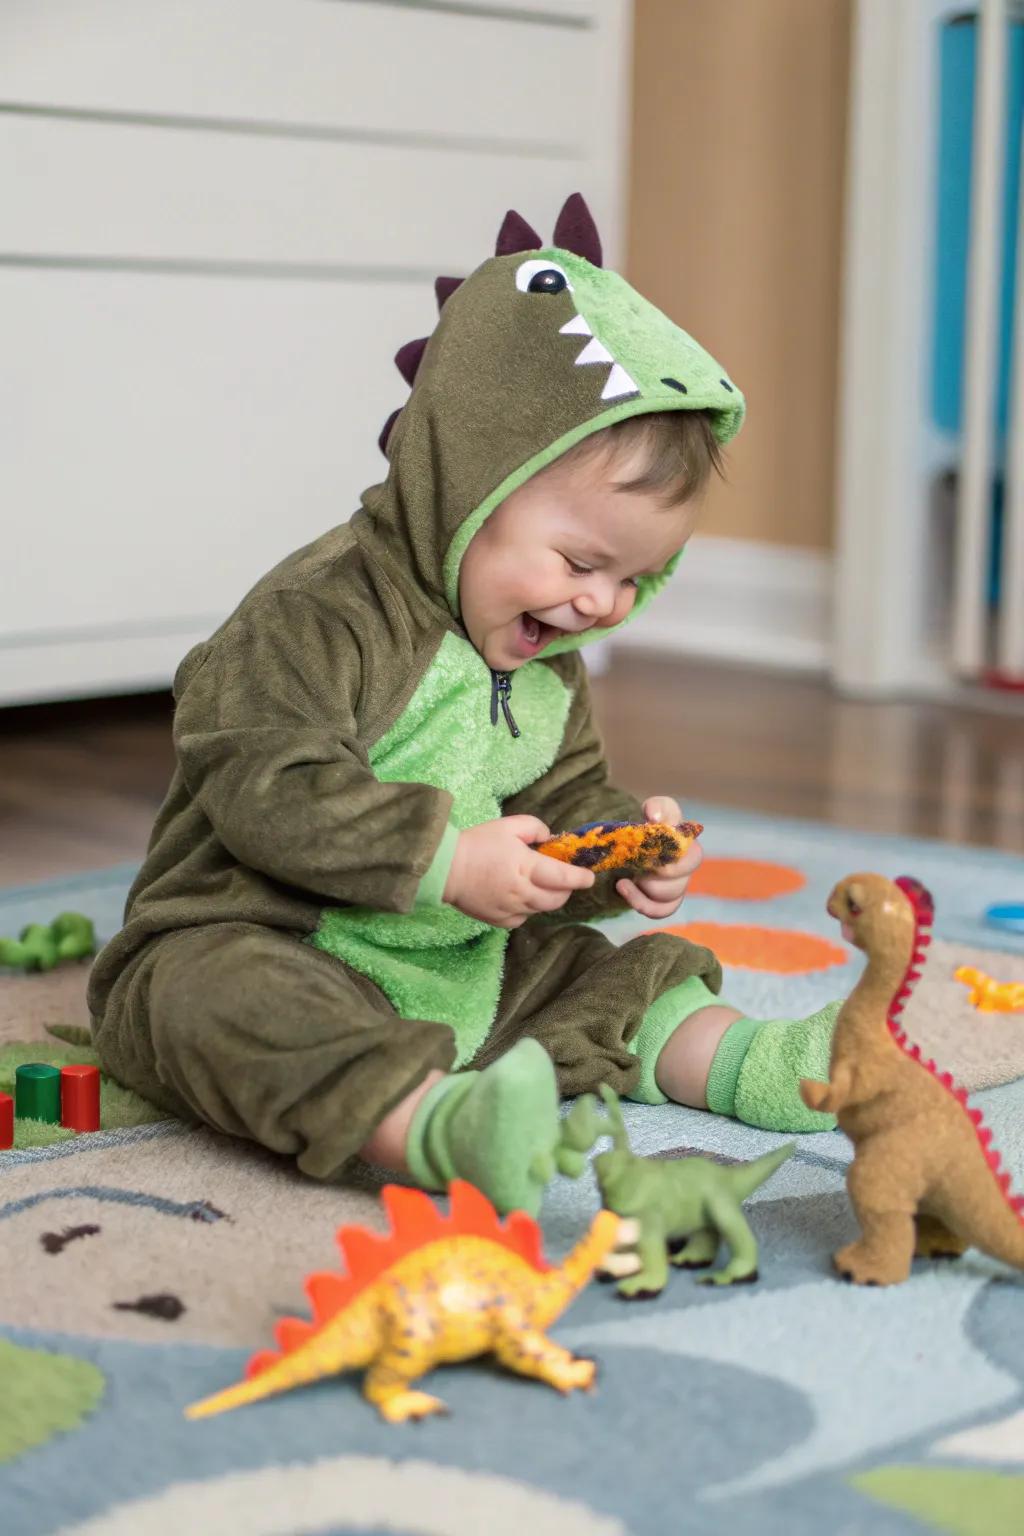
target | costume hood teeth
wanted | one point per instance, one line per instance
(619, 384)
(594, 352)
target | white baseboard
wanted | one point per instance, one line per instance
(731, 599)
(87, 665)
(743, 600)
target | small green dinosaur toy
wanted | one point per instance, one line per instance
(683, 1209)
(40, 947)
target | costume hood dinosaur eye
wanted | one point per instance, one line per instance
(541, 277)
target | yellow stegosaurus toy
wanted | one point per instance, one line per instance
(435, 1291)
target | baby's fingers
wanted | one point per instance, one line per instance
(663, 808)
(682, 868)
(552, 875)
(530, 828)
(640, 902)
(540, 900)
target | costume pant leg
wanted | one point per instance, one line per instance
(262, 1036)
(585, 999)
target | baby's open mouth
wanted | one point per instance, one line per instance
(535, 633)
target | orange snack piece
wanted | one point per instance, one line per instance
(622, 844)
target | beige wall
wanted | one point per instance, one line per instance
(739, 113)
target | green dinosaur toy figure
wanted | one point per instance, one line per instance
(40, 947)
(683, 1209)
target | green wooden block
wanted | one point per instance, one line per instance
(37, 1093)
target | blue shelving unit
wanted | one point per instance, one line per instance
(957, 49)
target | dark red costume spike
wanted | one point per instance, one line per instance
(576, 231)
(920, 899)
(382, 441)
(516, 235)
(444, 287)
(409, 357)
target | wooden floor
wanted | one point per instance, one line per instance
(79, 783)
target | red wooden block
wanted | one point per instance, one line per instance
(6, 1121)
(80, 1098)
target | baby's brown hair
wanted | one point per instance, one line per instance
(678, 450)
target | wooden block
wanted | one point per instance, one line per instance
(37, 1092)
(80, 1097)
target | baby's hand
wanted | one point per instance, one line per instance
(498, 878)
(660, 893)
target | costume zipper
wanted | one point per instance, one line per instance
(501, 692)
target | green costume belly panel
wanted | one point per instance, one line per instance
(440, 964)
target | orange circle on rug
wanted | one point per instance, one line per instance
(745, 880)
(784, 951)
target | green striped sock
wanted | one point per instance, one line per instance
(499, 1128)
(756, 1073)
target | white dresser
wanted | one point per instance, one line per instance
(218, 221)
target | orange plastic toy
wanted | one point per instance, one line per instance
(989, 995)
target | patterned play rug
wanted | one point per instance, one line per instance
(140, 1266)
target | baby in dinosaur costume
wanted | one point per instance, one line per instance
(343, 940)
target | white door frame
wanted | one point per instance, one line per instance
(884, 640)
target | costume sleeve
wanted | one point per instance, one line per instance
(575, 790)
(265, 731)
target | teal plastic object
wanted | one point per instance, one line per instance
(1008, 915)
(957, 58)
(957, 43)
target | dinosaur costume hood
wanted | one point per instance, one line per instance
(534, 351)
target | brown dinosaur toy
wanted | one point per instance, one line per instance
(925, 1179)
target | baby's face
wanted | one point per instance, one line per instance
(563, 554)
